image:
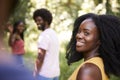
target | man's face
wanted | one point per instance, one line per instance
(40, 23)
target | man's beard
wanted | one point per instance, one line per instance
(41, 27)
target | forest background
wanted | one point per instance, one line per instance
(64, 14)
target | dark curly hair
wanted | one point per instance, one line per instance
(44, 13)
(109, 49)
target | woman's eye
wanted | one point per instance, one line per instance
(86, 33)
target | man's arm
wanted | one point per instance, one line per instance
(40, 59)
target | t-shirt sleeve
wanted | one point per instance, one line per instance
(43, 41)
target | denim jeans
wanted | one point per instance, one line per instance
(39, 77)
(18, 59)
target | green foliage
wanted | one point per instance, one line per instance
(114, 78)
(22, 11)
(66, 70)
(29, 60)
(112, 6)
(64, 13)
(98, 2)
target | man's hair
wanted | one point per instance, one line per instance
(109, 49)
(44, 13)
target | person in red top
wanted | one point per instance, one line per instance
(9, 70)
(16, 41)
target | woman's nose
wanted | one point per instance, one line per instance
(79, 35)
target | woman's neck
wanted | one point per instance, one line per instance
(91, 54)
(86, 57)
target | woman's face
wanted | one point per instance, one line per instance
(20, 27)
(87, 38)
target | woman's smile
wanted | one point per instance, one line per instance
(80, 43)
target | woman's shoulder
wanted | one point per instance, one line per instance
(85, 70)
(94, 67)
(89, 71)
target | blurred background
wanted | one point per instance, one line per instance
(64, 13)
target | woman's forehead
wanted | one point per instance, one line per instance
(87, 20)
(88, 24)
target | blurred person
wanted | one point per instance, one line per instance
(96, 39)
(6, 8)
(8, 69)
(16, 41)
(47, 63)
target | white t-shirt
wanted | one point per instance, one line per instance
(48, 41)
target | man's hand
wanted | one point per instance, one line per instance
(36, 70)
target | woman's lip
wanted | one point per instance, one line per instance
(80, 44)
